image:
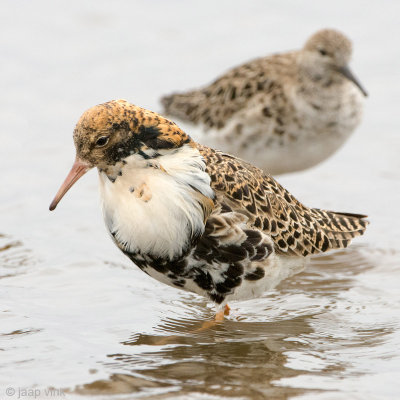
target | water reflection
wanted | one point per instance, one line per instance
(234, 359)
(312, 325)
(14, 257)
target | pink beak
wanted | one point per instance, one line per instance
(78, 169)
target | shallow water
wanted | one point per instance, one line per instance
(78, 317)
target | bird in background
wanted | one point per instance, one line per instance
(193, 217)
(285, 112)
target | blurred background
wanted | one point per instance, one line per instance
(77, 316)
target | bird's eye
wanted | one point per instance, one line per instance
(102, 141)
(322, 52)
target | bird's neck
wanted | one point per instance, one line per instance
(315, 79)
(157, 206)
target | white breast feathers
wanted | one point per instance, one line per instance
(156, 206)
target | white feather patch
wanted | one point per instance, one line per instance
(163, 225)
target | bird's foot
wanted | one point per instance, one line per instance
(219, 317)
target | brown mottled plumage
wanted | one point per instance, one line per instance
(285, 112)
(294, 228)
(193, 217)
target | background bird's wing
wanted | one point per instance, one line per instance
(294, 228)
(214, 104)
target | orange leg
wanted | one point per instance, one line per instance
(219, 317)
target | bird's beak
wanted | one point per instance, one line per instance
(346, 71)
(78, 169)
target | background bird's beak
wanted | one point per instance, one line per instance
(345, 71)
(78, 169)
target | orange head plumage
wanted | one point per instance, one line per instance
(109, 132)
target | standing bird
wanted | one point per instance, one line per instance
(193, 217)
(285, 112)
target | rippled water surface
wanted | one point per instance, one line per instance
(78, 319)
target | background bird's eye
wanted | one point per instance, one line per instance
(102, 141)
(322, 52)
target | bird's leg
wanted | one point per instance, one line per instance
(219, 317)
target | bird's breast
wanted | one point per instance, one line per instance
(148, 212)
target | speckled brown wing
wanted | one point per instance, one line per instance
(294, 228)
(214, 104)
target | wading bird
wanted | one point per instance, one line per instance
(193, 217)
(285, 112)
